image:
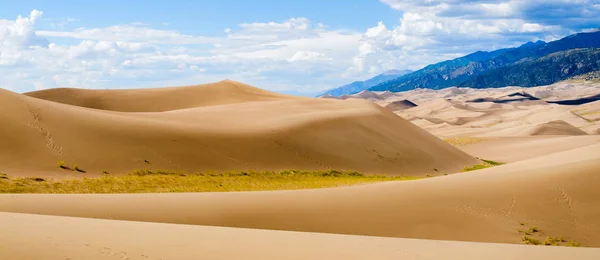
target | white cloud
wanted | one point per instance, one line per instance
(293, 24)
(60, 23)
(308, 56)
(293, 54)
(131, 33)
(20, 33)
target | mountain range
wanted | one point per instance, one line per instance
(531, 64)
(359, 86)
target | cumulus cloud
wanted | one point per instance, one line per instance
(20, 33)
(293, 54)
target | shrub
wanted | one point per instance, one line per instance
(76, 168)
(62, 165)
(529, 240)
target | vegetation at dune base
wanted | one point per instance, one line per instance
(462, 140)
(153, 181)
(533, 236)
(62, 165)
(483, 165)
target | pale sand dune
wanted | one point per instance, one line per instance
(556, 127)
(501, 112)
(518, 148)
(556, 193)
(33, 237)
(234, 133)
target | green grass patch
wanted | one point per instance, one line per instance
(158, 181)
(483, 165)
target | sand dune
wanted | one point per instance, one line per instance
(556, 193)
(159, 99)
(500, 112)
(551, 181)
(217, 133)
(365, 94)
(33, 237)
(556, 127)
(518, 148)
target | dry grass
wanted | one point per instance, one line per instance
(146, 181)
(483, 165)
(462, 140)
(530, 234)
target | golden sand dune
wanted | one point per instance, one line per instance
(213, 130)
(29, 237)
(159, 99)
(548, 191)
(556, 193)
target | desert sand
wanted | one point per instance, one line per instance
(556, 193)
(58, 238)
(549, 183)
(210, 130)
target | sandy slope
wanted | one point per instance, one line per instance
(556, 193)
(33, 237)
(159, 99)
(512, 149)
(234, 132)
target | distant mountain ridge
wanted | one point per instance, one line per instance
(358, 86)
(545, 70)
(531, 64)
(464, 71)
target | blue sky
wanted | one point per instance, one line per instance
(301, 47)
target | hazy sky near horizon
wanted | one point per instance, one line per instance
(302, 47)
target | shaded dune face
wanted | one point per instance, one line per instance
(219, 127)
(400, 105)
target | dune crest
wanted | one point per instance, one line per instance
(160, 99)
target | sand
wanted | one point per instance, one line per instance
(159, 99)
(556, 193)
(30, 237)
(502, 112)
(550, 182)
(250, 130)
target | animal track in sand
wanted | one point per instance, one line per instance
(567, 199)
(55, 149)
